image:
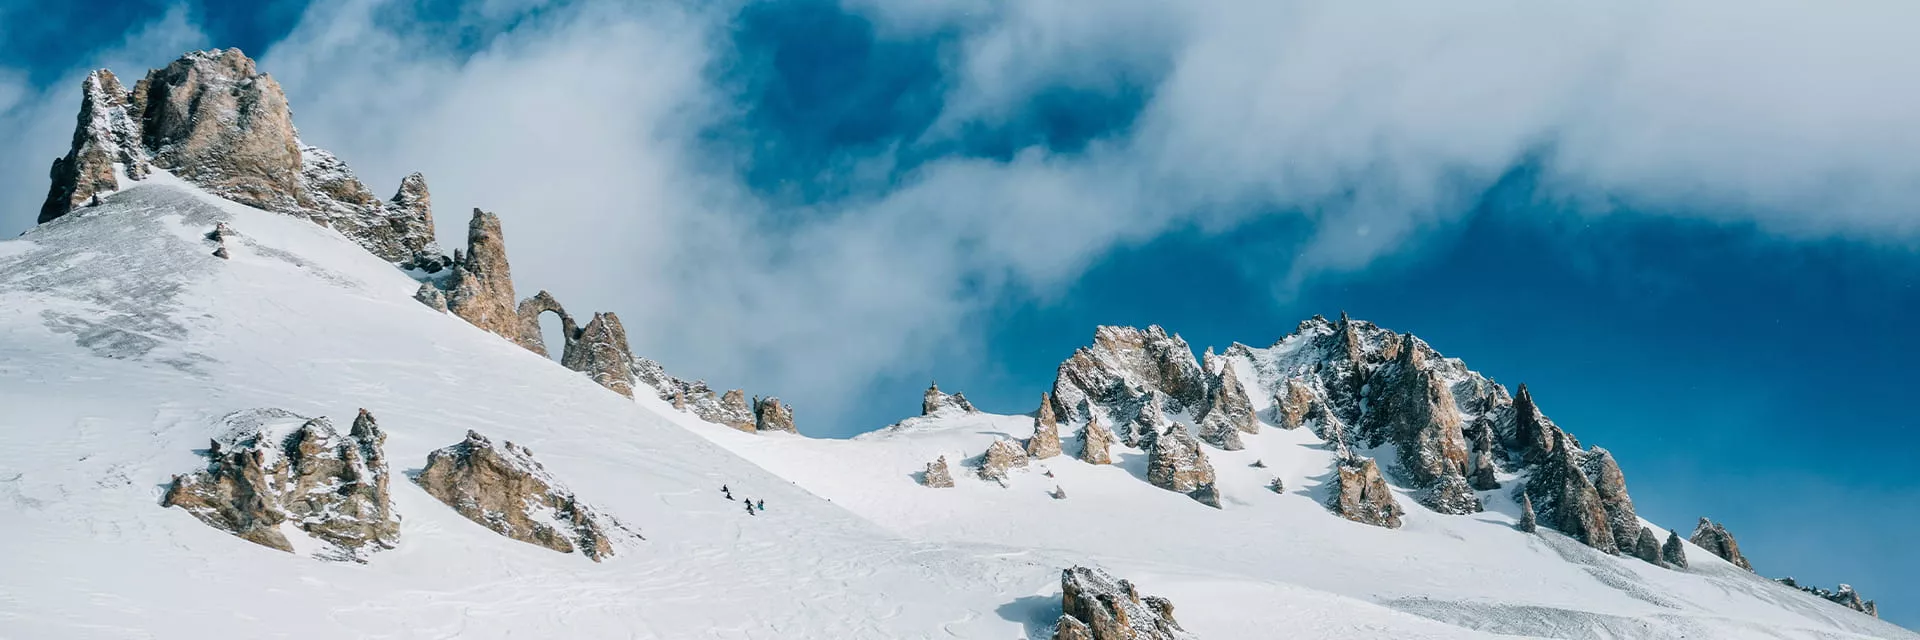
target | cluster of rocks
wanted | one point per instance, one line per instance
(504, 489)
(732, 408)
(1361, 494)
(1844, 596)
(272, 472)
(271, 468)
(215, 120)
(937, 402)
(1097, 606)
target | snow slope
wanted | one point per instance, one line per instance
(123, 343)
(1473, 571)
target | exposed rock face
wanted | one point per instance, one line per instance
(483, 282)
(935, 401)
(1611, 486)
(1096, 443)
(272, 471)
(1227, 402)
(504, 489)
(1001, 457)
(1844, 596)
(769, 414)
(1121, 369)
(1045, 442)
(937, 475)
(1293, 403)
(1098, 606)
(529, 312)
(107, 134)
(1481, 466)
(215, 120)
(1362, 495)
(1528, 521)
(730, 409)
(1674, 553)
(600, 351)
(1176, 463)
(1568, 500)
(1646, 546)
(1711, 536)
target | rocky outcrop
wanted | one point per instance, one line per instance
(1045, 442)
(1410, 406)
(1529, 522)
(271, 472)
(937, 475)
(106, 145)
(729, 409)
(213, 119)
(529, 312)
(1227, 404)
(1096, 443)
(1568, 501)
(769, 414)
(1674, 552)
(1481, 465)
(1714, 538)
(1097, 606)
(1293, 404)
(1646, 546)
(935, 401)
(1361, 494)
(504, 489)
(1176, 463)
(1002, 457)
(1844, 596)
(1611, 487)
(600, 351)
(482, 292)
(1113, 378)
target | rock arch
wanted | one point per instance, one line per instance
(529, 312)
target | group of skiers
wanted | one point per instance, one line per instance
(753, 508)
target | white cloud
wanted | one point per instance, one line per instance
(1379, 121)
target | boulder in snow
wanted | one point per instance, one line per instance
(504, 489)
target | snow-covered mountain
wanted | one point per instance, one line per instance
(187, 336)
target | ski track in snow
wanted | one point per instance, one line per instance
(123, 342)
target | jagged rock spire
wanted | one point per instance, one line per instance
(1096, 442)
(600, 351)
(934, 400)
(1045, 442)
(1674, 553)
(483, 282)
(106, 136)
(769, 414)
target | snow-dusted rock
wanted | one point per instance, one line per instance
(1674, 552)
(399, 230)
(1096, 443)
(936, 401)
(431, 296)
(272, 473)
(1175, 462)
(1713, 537)
(1045, 442)
(1361, 494)
(729, 409)
(600, 351)
(1529, 522)
(1227, 402)
(107, 134)
(1646, 546)
(1567, 499)
(769, 414)
(529, 312)
(504, 489)
(1001, 457)
(1844, 596)
(1097, 606)
(1481, 465)
(1116, 374)
(937, 475)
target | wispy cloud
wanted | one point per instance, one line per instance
(1377, 122)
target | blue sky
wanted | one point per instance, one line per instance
(1699, 252)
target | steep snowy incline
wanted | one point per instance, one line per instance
(123, 343)
(1475, 570)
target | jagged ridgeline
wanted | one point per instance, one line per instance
(214, 119)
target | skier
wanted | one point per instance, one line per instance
(750, 508)
(762, 504)
(726, 492)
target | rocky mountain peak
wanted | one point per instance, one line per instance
(1715, 538)
(935, 401)
(214, 119)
